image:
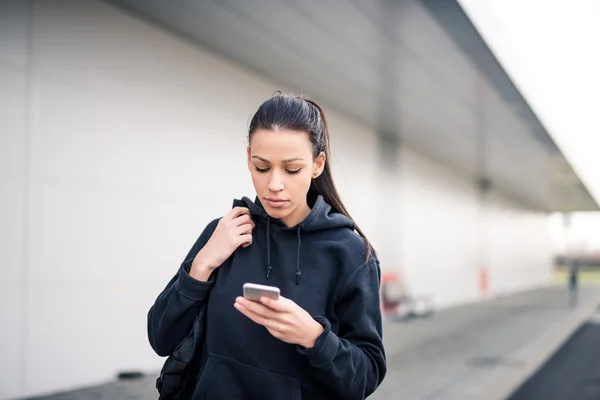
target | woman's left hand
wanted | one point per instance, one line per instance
(283, 318)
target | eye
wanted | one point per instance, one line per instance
(293, 171)
(261, 170)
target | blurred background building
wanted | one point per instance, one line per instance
(123, 133)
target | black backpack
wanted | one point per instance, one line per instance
(179, 373)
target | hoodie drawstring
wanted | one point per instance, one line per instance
(269, 266)
(298, 272)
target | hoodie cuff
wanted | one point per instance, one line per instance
(191, 288)
(325, 348)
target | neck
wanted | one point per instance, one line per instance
(297, 216)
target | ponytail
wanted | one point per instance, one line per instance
(324, 184)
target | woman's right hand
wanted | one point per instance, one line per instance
(232, 231)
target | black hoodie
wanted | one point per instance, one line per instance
(320, 264)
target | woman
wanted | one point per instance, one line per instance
(322, 339)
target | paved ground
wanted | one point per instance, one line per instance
(479, 351)
(572, 373)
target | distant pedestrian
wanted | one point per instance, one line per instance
(573, 266)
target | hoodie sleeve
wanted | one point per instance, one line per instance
(171, 317)
(352, 363)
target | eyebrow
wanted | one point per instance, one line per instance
(289, 160)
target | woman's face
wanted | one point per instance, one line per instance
(282, 167)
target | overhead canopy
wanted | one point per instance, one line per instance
(413, 69)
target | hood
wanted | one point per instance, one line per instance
(320, 218)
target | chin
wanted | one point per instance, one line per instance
(278, 213)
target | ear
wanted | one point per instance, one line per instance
(319, 165)
(248, 159)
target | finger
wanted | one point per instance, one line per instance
(281, 335)
(270, 324)
(281, 305)
(274, 325)
(237, 211)
(256, 318)
(259, 319)
(257, 308)
(243, 219)
(244, 240)
(275, 333)
(244, 229)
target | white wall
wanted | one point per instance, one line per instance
(438, 230)
(517, 238)
(443, 243)
(110, 169)
(13, 191)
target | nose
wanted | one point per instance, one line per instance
(275, 183)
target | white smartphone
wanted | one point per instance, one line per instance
(254, 291)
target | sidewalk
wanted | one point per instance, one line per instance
(478, 351)
(483, 350)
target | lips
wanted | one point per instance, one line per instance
(276, 203)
